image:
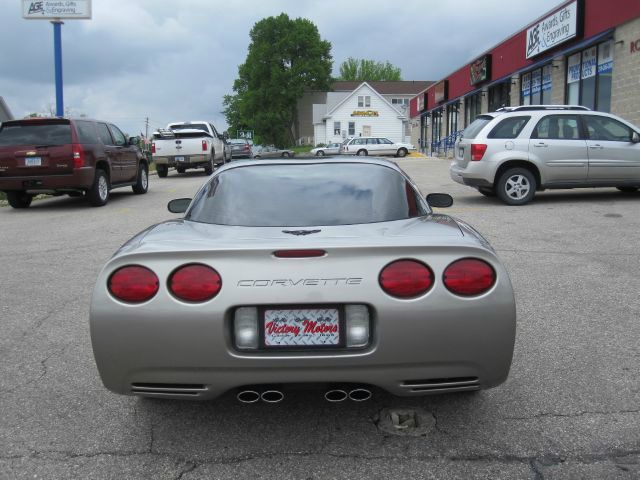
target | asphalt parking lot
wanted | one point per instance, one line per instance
(570, 408)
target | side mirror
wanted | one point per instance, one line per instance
(134, 140)
(635, 137)
(439, 200)
(179, 205)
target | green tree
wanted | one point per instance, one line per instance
(285, 58)
(363, 70)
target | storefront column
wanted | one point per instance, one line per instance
(484, 107)
(515, 91)
(625, 100)
(558, 80)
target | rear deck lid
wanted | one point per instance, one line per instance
(36, 147)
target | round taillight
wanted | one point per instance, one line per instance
(195, 283)
(406, 278)
(469, 277)
(133, 284)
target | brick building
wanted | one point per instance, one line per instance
(583, 52)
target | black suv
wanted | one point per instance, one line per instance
(68, 156)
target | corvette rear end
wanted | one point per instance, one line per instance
(414, 306)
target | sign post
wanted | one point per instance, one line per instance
(55, 11)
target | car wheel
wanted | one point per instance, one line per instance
(142, 182)
(257, 156)
(162, 170)
(285, 154)
(320, 153)
(487, 191)
(628, 189)
(19, 199)
(208, 168)
(180, 169)
(402, 152)
(98, 194)
(362, 153)
(516, 186)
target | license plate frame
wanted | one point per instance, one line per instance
(33, 161)
(302, 309)
(180, 159)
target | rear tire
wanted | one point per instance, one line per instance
(142, 182)
(19, 199)
(208, 168)
(162, 170)
(516, 186)
(98, 194)
(402, 152)
(320, 153)
(362, 153)
(285, 154)
(628, 189)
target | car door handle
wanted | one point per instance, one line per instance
(596, 147)
(540, 145)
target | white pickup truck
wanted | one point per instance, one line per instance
(183, 145)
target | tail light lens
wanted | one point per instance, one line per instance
(78, 155)
(153, 147)
(477, 151)
(195, 283)
(133, 284)
(204, 146)
(406, 278)
(469, 277)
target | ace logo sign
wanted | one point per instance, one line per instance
(56, 9)
(553, 30)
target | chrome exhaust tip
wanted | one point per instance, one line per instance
(335, 395)
(248, 396)
(360, 394)
(272, 396)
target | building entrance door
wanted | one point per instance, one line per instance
(366, 130)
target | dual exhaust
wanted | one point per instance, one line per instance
(276, 396)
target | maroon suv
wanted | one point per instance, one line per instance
(68, 156)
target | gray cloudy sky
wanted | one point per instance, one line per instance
(174, 60)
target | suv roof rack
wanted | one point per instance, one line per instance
(523, 108)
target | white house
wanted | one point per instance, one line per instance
(362, 112)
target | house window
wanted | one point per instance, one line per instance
(352, 128)
(399, 101)
(535, 87)
(336, 128)
(364, 101)
(589, 77)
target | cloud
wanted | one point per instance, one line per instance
(174, 60)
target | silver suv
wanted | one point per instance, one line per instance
(516, 151)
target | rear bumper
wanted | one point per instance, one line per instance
(470, 179)
(189, 160)
(80, 179)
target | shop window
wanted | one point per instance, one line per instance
(452, 118)
(436, 125)
(472, 107)
(364, 101)
(500, 96)
(336, 128)
(535, 87)
(352, 128)
(589, 77)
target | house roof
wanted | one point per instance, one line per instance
(360, 86)
(404, 87)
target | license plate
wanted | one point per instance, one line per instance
(461, 152)
(179, 159)
(32, 161)
(309, 327)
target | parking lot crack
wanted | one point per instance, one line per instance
(43, 373)
(571, 415)
(188, 467)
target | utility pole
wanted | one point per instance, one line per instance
(146, 127)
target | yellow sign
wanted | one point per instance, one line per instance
(364, 113)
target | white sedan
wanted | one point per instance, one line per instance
(375, 146)
(331, 149)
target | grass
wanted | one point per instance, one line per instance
(302, 149)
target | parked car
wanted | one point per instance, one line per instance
(514, 152)
(240, 148)
(272, 152)
(68, 156)
(334, 274)
(375, 146)
(186, 145)
(331, 149)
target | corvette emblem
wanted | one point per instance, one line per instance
(300, 232)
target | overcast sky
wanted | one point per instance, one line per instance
(174, 60)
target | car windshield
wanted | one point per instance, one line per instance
(474, 127)
(50, 134)
(302, 195)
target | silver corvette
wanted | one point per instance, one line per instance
(333, 274)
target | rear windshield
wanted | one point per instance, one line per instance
(43, 134)
(189, 126)
(238, 141)
(474, 127)
(298, 195)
